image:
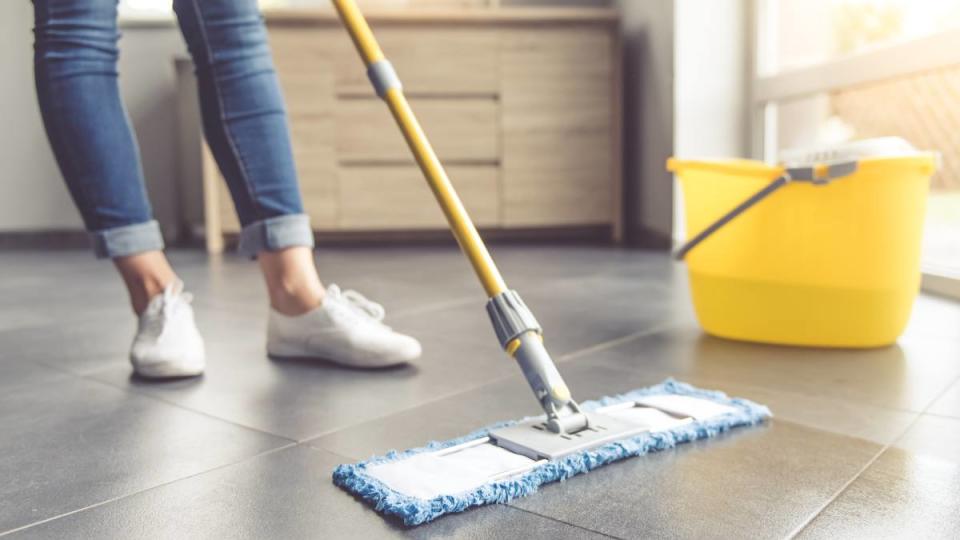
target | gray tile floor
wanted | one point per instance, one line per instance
(864, 444)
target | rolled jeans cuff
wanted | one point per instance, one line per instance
(276, 233)
(127, 240)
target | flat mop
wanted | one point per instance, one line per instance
(513, 459)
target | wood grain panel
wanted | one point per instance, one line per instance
(556, 114)
(523, 114)
(459, 129)
(430, 60)
(306, 74)
(397, 197)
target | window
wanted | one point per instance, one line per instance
(830, 71)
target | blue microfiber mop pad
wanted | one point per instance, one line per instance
(415, 511)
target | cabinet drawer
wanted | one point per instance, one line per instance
(429, 60)
(459, 129)
(397, 197)
(558, 144)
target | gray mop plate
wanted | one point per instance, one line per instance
(533, 440)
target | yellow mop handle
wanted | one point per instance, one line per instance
(463, 228)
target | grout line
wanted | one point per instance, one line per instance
(796, 531)
(556, 520)
(135, 391)
(151, 488)
(310, 439)
(615, 342)
(941, 415)
(433, 306)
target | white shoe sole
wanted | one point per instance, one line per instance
(281, 352)
(168, 371)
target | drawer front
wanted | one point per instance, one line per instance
(397, 197)
(430, 61)
(557, 117)
(305, 69)
(460, 130)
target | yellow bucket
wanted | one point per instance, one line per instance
(835, 265)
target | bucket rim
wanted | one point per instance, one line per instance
(928, 161)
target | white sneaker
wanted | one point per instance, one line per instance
(168, 343)
(346, 329)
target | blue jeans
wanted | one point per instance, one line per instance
(244, 121)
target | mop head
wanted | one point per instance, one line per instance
(422, 484)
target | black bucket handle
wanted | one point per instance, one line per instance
(791, 174)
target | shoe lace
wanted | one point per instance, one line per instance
(364, 305)
(172, 301)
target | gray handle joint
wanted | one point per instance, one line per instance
(510, 317)
(383, 77)
(809, 174)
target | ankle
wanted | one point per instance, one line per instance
(292, 281)
(293, 297)
(145, 276)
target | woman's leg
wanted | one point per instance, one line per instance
(75, 65)
(246, 127)
(76, 76)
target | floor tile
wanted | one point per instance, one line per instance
(933, 436)
(284, 494)
(615, 319)
(299, 399)
(99, 341)
(949, 403)
(21, 314)
(73, 443)
(759, 483)
(908, 375)
(15, 373)
(579, 314)
(935, 317)
(902, 495)
(911, 491)
(876, 424)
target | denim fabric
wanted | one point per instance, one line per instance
(127, 240)
(242, 107)
(276, 233)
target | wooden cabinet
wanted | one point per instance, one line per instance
(522, 106)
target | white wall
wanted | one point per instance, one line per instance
(32, 194)
(711, 78)
(711, 84)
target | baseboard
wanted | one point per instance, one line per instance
(644, 238)
(52, 239)
(590, 234)
(587, 234)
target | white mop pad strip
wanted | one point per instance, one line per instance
(422, 484)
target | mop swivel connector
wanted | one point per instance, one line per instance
(511, 318)
(520, 334)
